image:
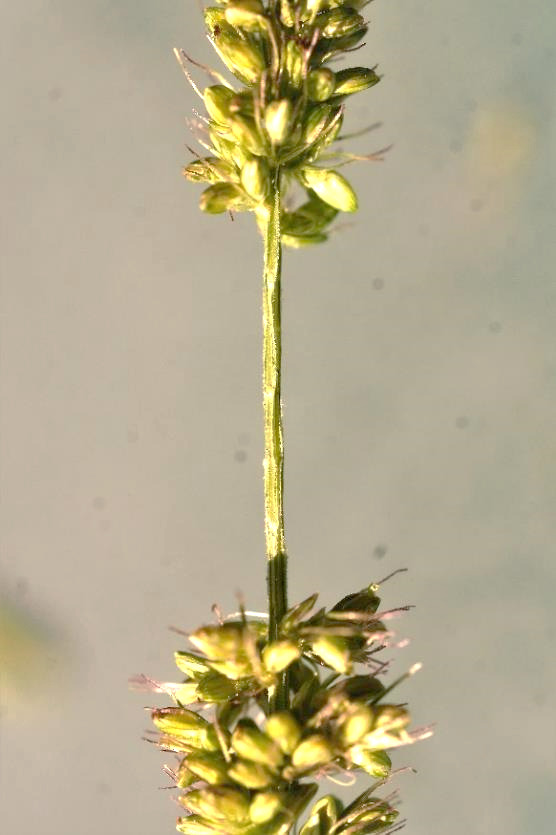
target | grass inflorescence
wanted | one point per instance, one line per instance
(248, 770)
(272, 703)
(286, 113)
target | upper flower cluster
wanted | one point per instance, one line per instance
(287, 112)
(249, 770)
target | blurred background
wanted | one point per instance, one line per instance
(419, 397)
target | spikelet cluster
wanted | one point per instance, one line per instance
(248, 762)
(282, 117)
(247, 770)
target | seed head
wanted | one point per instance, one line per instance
(250, 771)
(279, 121)
(249, 768)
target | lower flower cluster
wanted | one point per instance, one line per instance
(250, 769)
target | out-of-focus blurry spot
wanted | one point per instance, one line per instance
(132, 435)
(501, 141)
(32, 660)
(55, 94)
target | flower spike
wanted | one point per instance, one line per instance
(295, 696)
(255, 776)
(283, 113)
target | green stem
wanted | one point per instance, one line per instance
(274, 449)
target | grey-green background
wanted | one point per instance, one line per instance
(419, 398)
